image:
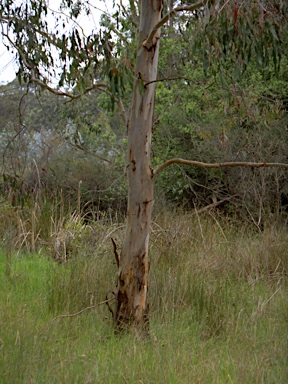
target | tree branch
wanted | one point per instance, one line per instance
(180, 78)
(71, 96)
(189, 8)
(215, 204)
(76, 313)
(36, 80)
(200, 164)
(61, 93)
(51, 40)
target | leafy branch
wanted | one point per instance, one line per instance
(35, 78)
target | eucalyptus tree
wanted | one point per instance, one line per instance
(125, 51)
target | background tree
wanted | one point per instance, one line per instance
(46, 140)
(228, 35)
(250, 111)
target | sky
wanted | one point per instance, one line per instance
(8, 65)
(8, 68)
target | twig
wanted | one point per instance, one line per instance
(76, 313)
(21, 124)
(214, 205)
(107, 302)
(262, 305)
(198, 83)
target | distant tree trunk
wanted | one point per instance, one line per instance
(131, 297)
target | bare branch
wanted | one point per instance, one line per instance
(99, 85)
(200, 164)
(76, 313)
(215, 204)
(198, 83)
(61, 93)
(188, 8)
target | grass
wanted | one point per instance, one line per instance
(218, 298)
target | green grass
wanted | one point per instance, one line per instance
(218, 299)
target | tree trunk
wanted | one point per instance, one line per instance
(131, 298)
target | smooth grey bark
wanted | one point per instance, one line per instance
(131, 298)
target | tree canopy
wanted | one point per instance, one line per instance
(224, 35)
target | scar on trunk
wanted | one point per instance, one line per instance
(139, 210)
(115, 252)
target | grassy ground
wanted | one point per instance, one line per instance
(219, 313)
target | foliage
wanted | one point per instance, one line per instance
(237, 94)
(236, 31)
(52, 146)
(213, 120)
(78, 61)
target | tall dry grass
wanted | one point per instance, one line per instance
(218, 303)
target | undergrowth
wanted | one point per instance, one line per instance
(218, 307)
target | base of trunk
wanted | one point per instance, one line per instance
(132, 309)
(128, 319)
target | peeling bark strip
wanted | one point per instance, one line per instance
(115, 252)
(131, 297)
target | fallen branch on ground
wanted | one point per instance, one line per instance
(76, 313)
(215, 204)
